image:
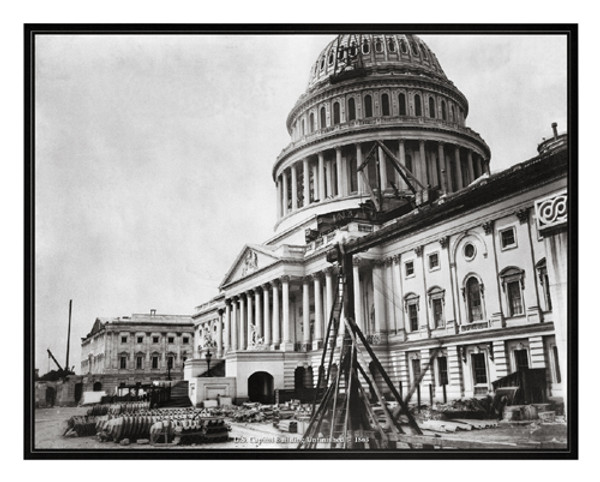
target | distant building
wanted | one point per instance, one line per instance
(471, 271)
(134, 349)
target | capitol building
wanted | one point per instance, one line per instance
(464, 271)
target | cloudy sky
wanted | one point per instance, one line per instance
(154, 155)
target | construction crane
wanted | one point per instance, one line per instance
(62, 372)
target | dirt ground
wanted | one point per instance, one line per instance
(50, 424)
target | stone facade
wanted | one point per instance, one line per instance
(136, 348)
(465, 273)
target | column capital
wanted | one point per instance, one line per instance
(329, 270)
(285, 278)
(419, 250)
(316, 276)
(274, 283)
(220, 311)
(388, 261)
(266, 286)
(444, 240)
(378, 262)
(523, 215)
(357, 261)
(249, 292)
(306, 279)
(488, 226)
(396, 258)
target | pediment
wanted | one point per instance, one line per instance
(251, 259)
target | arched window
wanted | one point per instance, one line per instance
(368, 106)
(391, 45)
(322, 63)
(473, 299)
(431, 108)
(336, 112)
(378, 46)
(424, 52)
(385, 104)
(330, 60)
(444, 110)
(323, 118)
(403, 47)
(545, 282)
(418, 111)
(303, 128)
(351, 109)
(365, 46)
(402, 104)
(451, 113)
(415, 50)
(411, 307)
(312, 122)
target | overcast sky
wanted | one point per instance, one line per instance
(154, 156)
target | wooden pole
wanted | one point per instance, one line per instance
(68, 336)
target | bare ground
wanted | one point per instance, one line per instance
(50, 423)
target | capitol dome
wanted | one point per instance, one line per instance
(371, 98)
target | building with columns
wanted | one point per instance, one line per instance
(473, 265)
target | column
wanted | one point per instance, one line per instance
(424, 170)
(234, 324)
(389, 295)
(315, 185)
(287, 344)
(294, 188)
(306, 311)
(359, 177)
(397, 275)
(258, 314)
(340, 173)
(318, 311)
(358, 310)
(278, 189)
(402, 158)
(328, 292)
(276, 331)
(428, 378)
(380, 326)
(242, 323)
(329, 178)
(459, 176)
(444, 168)
(249, 317)
(285, 193)
(226, 342)
(306, 182)
(220, 334)
(266, 315)
(470, 166)
(382, 168)
(321, 177)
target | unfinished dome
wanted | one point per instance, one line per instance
(374, 102)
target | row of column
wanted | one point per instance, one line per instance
(331, 177)
(262, 317)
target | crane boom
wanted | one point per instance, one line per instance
(55, 360)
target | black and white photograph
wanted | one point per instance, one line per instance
(300, 241)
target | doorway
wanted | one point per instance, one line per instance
(260, 387)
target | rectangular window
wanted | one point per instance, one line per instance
(140, 339)
(171, 339)
(514, 298)
(155, 339)
(155, 362)
(416, 368)
(479, 371)
(138, 362)
(409, 268)
(413, 317)
(521, 360)
(546, 286)
(434, 261)
(443, 370)
(556, 365)
(438, 312)
(186, 340)
(123, 363)
(170, 362)
(123, 339)
(507, 238)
